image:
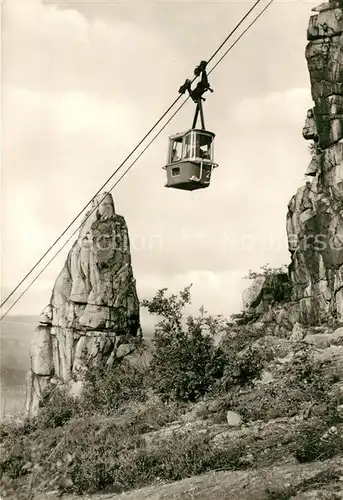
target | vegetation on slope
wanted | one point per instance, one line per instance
(129, 429)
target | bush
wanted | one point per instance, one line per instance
(243, 368)
(308, 373)
(316, 442)
(55, 410)
(266, 271)
(107, 389)
(109, 454)
(186, 364)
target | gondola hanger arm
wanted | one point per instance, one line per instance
(203, 85)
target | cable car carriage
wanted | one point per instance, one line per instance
(190, 156)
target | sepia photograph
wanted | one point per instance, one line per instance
(171, 321)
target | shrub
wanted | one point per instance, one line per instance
(266, 271)
(287, 492)
(316, 442)
(170, 459)
(186, 364)
(314, 377)
(108, 454)
(56, 409)
(106, 389)
(243, 368)
(267, 402)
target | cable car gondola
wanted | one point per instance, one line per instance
(190, 155)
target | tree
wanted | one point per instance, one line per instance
(185, 363)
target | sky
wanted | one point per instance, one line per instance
(82, 82)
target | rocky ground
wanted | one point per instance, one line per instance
(280, 437)
(318, 480)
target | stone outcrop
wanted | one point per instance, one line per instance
(93, 315)
(315, 212)
(293, 481)
(267, 303)
(266, 291)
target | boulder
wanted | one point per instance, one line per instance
(251, 294)
(233, 419)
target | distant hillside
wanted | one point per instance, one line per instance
(15, 336)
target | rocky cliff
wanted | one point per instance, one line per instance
(315, 212)
(93, 315)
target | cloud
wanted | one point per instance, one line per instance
(56, 152)
(48, 48)
(277, 109)
(223, 289)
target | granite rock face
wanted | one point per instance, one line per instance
(315, 212)
(93, 314)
